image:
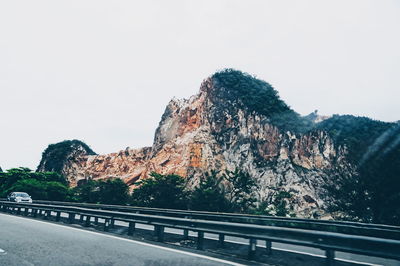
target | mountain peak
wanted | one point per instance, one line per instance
(253, 93)
(56, 155)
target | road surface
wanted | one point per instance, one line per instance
(25, 241)
(30, 242)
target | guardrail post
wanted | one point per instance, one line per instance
(221, 240)
(58, 217)
(47, 214)
(81, 218)
(18, 210)
(106, 224)
(200, 240)
(35, 212)
(87, 221)
(268, 247)
(112, 222)
(330, 257)
(96, 220)
(131, 228)
(252, 248)
(159, 231)
(185, 234)
(26, 211)
(71, 217)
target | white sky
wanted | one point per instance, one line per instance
(103, 71)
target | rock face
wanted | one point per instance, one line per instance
(214, 130)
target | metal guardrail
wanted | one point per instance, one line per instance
(353, 228)
(328, 241)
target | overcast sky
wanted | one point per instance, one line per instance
(103, 71)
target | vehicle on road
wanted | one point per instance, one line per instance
(19, 197)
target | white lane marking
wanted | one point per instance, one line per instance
(357, 262)
(2, 252)
(322, 256)
(134, 241)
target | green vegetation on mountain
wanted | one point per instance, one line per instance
(357, 133)
(258, 96)
(55, 155)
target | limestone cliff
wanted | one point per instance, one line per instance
(227, 126)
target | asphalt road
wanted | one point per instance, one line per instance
(30, 242)
(33, 242)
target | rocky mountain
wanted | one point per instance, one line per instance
(235, 121)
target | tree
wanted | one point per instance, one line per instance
(58, 191)
(209, 195)
(44, 186)
(35, 188)
(87, 192)
(11, 176)
(161, 191)
(238, 190)
(113, 191)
